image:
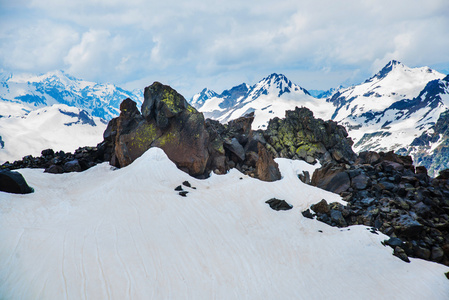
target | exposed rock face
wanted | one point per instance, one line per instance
(301, 136)
(13, 182)
(384, 191)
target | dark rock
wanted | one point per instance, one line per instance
(394, 242)
(408, 226)
(178, 188)
(300, 135)
(423, 253)
(437, 254)
(321, 207)
(183, 193)
(443, 175)
(13, 182)
(307, 214)
(277, 204)
(421, 170)
(399, 252)
(54, 169)
(48, 152)
(331, 177)
(235, 147)
(360, 182)
(304, 177)
(337, 218)
(187, 184)
(266, 168)
(72, 166)
(167, 122)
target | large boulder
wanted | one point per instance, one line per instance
(13, 182)
(167, 122)
(331, 177)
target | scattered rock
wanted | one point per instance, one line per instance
(178, 188)
(307, 214)
(321, 207)
(187, 184)
(277, 204)
(183, 193)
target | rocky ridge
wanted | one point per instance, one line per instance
(386, 192)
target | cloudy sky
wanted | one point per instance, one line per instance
(317, 44)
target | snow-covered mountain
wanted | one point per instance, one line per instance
(54, 110)
(59, 127)
(269, 98)
(385, 112)
(127, 234)
(57, 87)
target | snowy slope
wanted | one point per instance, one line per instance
(269, 98)
(127, 234)
(59, 127)
(380, 113)
(57, 87)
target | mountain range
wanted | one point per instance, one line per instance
(387, 112)
(54, 110)
(398, 109)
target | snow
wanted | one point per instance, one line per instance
(29, 134)
(121, 234)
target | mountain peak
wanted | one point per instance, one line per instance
(390, 66)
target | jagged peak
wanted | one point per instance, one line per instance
(278, 82)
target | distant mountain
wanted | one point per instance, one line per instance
(396, 109)
(54, 110)
(324, 93)
(59, 127)
(385, 112)
(37, 91)
(269, 98)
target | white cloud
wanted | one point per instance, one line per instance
(196, 43)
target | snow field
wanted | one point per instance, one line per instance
(126, 234)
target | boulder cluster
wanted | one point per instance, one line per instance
(61, 162)
(301, 136)
(386, 192)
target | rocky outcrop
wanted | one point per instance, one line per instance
(168, 122)
(386, 192)
(13, 182)
(195, 145)
(300, 136)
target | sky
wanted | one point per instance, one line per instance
(318, 44)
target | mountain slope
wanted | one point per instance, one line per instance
(431, 148)
(269, 98)
(127, 234)
(32, 91)
(384, 113)
(59, 127)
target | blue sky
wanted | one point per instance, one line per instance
(218, 44)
